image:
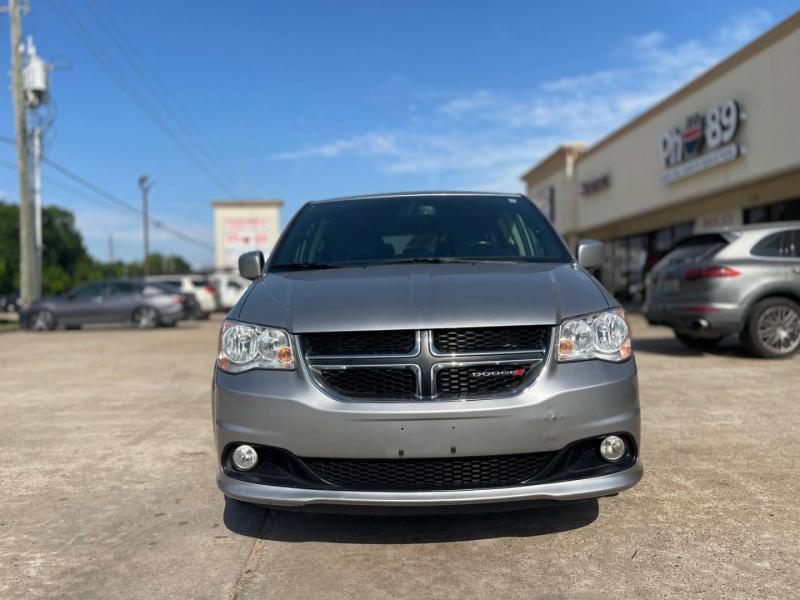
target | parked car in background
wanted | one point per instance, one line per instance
(230, 287)
(9, 302)
(198, 285)
(113, 301)
(743, 281)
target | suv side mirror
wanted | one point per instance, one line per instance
(251, 264)
(590, 253)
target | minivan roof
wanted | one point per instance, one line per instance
(441, 194)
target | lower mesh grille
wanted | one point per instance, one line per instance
(368, 382)
(430, 473)
(482, 380)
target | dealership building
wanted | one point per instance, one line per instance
(241, 226)
(723, 150)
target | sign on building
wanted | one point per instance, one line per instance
(704, 142)
(244, 225)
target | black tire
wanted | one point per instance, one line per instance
(145, 317)
(203, 316)
(773, 328)
(169, 324)
(42, 320)
(698, 343)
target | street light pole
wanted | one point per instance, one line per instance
(145, 184)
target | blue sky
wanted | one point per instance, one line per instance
(305, 100)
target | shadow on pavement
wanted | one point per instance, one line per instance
(287, 526)
(244, 519)
(672, 347)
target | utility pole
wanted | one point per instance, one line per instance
(37, 206)
(145, 184)
(27, 235)
(111, 247)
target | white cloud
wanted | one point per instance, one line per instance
(369, 144)
(486, 138)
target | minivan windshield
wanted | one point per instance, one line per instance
(418, 228)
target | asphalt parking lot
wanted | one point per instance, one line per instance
(107, 491)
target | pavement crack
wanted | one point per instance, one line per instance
(250, 564)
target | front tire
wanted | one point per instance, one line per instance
(145, 317)
(42, 320)
(773, 328)
(698, 343)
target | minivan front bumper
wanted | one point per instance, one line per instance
(576, 489)
(566, 403)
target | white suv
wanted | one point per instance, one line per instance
(199, 285)
(230, 287)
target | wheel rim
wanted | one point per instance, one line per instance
(42, 321)
(779, 329)
(146, 318)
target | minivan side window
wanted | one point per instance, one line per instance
(776, 245)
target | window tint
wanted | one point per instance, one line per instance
(123, 287)
(696, 247)
(91, 290)
(405, 228)
(781, 244)
(794, 242)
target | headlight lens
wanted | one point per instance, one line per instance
(243, 347)
(604, 335)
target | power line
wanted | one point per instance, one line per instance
(110, 199)
(132, 91)
(158, 90)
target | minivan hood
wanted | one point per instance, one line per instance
(421, 296)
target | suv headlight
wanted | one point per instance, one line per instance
(604, 335)
(243, 347)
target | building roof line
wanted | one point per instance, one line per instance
(777, 33)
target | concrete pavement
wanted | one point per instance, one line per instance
(107, 491)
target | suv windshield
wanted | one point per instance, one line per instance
(418, 229)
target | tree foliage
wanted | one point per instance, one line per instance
(65, 261)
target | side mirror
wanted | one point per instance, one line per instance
(251, 264)
(590, 253)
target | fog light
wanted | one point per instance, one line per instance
(612, 448)
(244, 457)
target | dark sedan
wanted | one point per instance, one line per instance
(145, 305)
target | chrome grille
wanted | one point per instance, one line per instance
(412, 365)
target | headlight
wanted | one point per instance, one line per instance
(604, 335)
(243, 347)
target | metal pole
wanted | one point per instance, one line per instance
(111, 247)
(37, 205)
(145, 185)
(27, 235)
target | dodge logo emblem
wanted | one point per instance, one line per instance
(503, 373)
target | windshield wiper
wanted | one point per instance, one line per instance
(302, 266)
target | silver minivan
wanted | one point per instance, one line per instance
(424, 350)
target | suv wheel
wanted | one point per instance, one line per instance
(698, 343)
(773, 328)
(145, 317)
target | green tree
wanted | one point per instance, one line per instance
(65, 261)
